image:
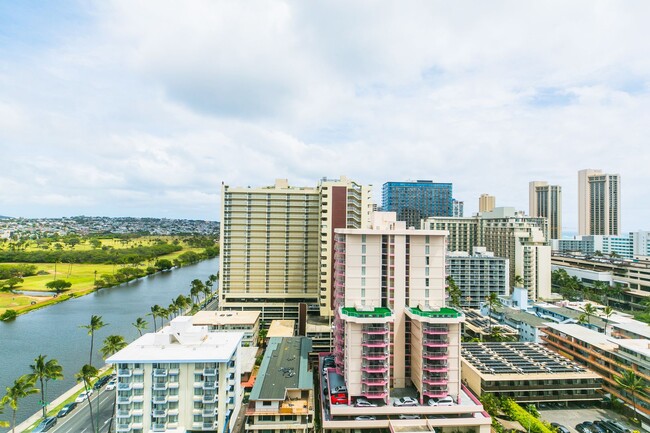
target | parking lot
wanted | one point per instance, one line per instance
(570, 417)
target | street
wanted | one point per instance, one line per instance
(78, 421)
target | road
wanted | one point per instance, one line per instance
(78, 421)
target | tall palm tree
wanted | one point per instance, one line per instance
(140, 324)
(96, 323)
(633, 384)
(43, 371)
(22, 387)
(198, 286)
(608, 313)
(2, 409)
(182, 302)
(86, 375)
(164, 314)
(172, 309)
(518, 281)
(112, 344)
(589, 311)
(194, 293)
(493, 302)
(156, 311)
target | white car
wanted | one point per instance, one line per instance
(362, 402)
(83, 396)
(405, 401)
(407, 416)
(111, 385)
(444, 401)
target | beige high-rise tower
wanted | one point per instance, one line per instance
(599, 203)
(545, 200)
(486, 203)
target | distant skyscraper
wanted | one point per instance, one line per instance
(414, 201)
(599, 203)
(458, 208)
(545, 200)
(486, 203)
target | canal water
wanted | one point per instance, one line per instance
(56, 330)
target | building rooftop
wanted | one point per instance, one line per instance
(374, 312)
(285, 366)
(443, 312)
(180, 342)
(635, 327)
(480, 324)
(522, 316)
(220, 318)
(592, 337)
(640, 346)
(570, 313)
(519, 358)
(281, 328)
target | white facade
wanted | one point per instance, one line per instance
(180, 379)
(478, 275)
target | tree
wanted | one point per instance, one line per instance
(112, 344)
(140, 324)
(96, 323)
(589, 311)
(86, 375)
(197, 287)
(22, 387)
(454, 292)
(11, 283)
(163, 264)
(43, 371)
(3, 423)
(608, 313)
(58, 285)
(518, 281)
(633, 384)
(156, 311)
(493, 302)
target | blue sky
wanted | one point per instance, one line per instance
(144, 108)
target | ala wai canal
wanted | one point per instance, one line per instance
(55, 330)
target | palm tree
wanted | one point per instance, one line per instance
(608, 313)
(182, 302)
(172, 309)
(492, 301)
(156, 311)
(194, 293)
(87, 374)
(112, 344)
(96, 323)
(633, 384)
(44, 371)
(518, 281)
(197, 285)
(22, 387)
(140, 324)
(589, 311)
(3, 423)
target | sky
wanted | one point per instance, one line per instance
(143, 108)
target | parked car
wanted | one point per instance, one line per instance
(582, 428)
(45, 425)
(560, 428)
(362, 402)
(365, 418)
(444, 401)
(84, 396)
(66, 409)
(405, 401)
(405, 416)
(111, 385)
(101, 382)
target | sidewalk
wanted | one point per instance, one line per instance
(60, 399)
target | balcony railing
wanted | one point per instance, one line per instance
(436, 331)
(159, 399)
(209, 371)
(159, 413)
(436, 343)
(158, 427)
(160, 372)
(374, 356)
(209, 398)
(123, 427)
(209, 385)
(123, 372)
(374, 382)
(209, 412)
(158, 386)
(123, 386)
(374, 368)
(123, 413)
(208, 425)
(123, 399)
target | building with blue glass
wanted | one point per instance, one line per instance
(413, 201)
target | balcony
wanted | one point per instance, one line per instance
(208, 425)
(159, 399)
(374, 343)
(374, 381)
(174, 371)
(123, 427)
(138, 371)
(441, 343)
(209, 412)
(121, 413)
(375, 331)
(123, 372)
(159, 372)
(158, 427)
(209, 371)
(160, 386)
(124, 386)
(209, 385)
(436, 367)
(436, 331)
(375, 356)
(435, 381)
(159, 413)
(374, 368)
(434, 355)
(123, 399)
(374, 394)
(172, 384)
(209, 398)
(137, 385)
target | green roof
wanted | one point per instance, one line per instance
(442, 313)
(377, 312)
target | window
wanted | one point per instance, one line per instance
(363, 249)
(363, 260)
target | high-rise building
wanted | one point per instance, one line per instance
(478, 275)
(392, 329)
(509, 234)
(182, 378)
(486, 203)
(545, 200)
(458, 208)
(276, 244)
(599, 203)
(414, 201)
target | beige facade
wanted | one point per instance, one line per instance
(276, 244)
(247, 322)
(509, 234)
(545, 200)
(182, 378)
(486, 203)
(599, 203)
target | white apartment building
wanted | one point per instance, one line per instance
(182, 378)
(509, 234)
(247, 322)
(394, 336)
(276, 244)
(477, 275)
(545, 200)
(599, 203)
(629, 246)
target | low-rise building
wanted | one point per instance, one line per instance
(282, 399)
(478, 275)
(247, 322)
(281, 328)
(607, 356)
(483, 327)
(526, 372)
(182, 378)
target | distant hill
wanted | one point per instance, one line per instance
(2, 217)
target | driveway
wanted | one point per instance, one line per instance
(570, 417)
